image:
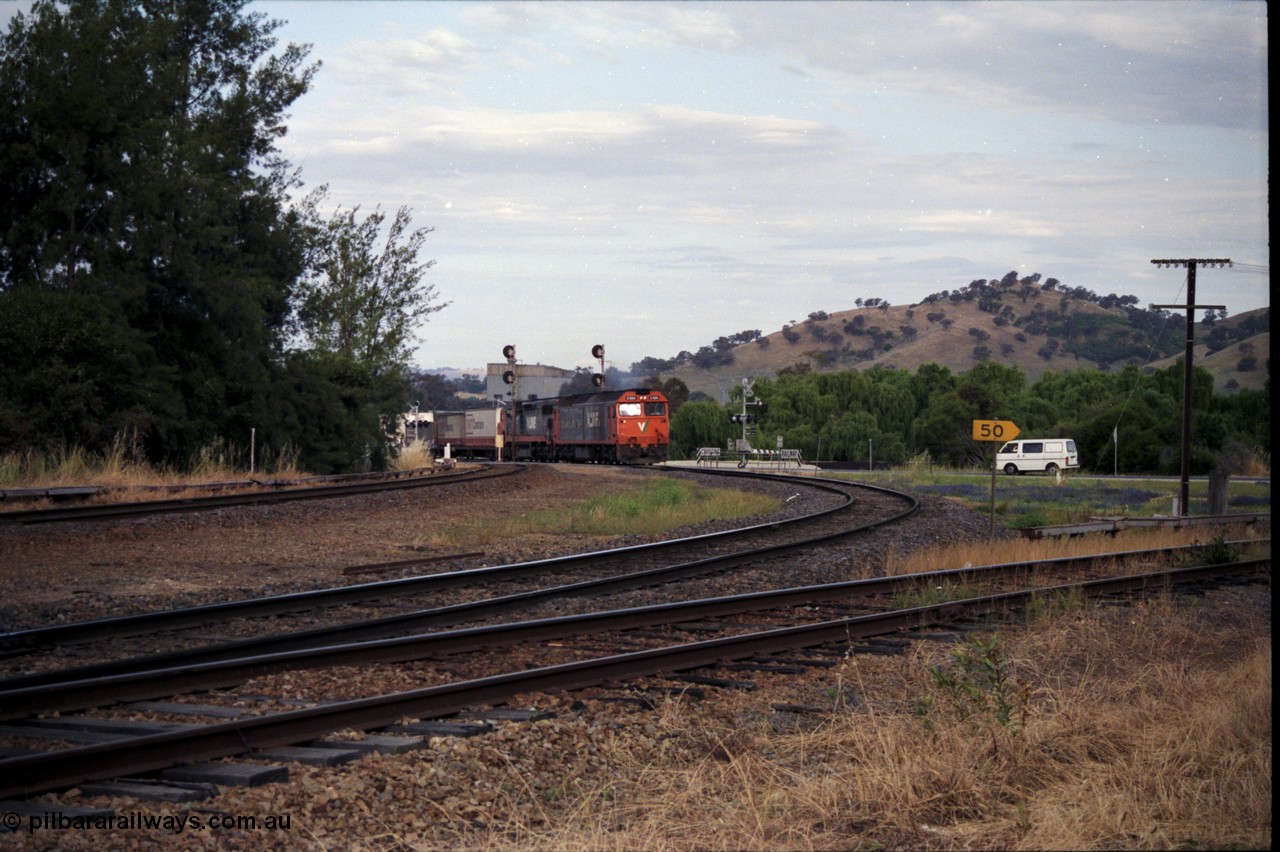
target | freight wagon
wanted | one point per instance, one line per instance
(608, 427)
(473, 434)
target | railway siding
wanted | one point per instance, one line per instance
(559, 739)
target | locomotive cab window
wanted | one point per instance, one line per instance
(655, 409)
(629, 409)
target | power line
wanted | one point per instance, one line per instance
(1250, 267)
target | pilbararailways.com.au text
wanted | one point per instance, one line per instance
(141, 821)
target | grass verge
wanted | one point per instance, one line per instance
(1042, 500)
(947, 556)
(1115, 728)
(647, 508)
(124, 465)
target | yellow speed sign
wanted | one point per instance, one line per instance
(994, 430)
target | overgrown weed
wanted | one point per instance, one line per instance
(1112, 728)
(1024, 550)
(978, 681)
(124, 465)
(931, 593)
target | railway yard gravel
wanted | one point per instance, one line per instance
(460, 792)
(75, 571)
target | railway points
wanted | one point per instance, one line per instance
(784, 661)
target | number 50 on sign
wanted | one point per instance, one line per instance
(994, 430)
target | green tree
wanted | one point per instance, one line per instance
(140, 184)
(999, 383)
(802, 437)
(1249, 412)
(327, 407)
(699, 424)
(366, 291)
(357, 309)
(944, 427)
(844, 438)
(675, 390)
(895, 410)
(930, 380)
(69, 375)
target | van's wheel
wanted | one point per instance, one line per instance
(1011, 468)
(1051, 469)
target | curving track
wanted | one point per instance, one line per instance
(751, 626)
(587, 574)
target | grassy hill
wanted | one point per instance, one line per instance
(1021, 323)
(1240, 364)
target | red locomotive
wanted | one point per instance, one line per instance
(607, 427)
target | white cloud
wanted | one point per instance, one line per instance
(620, 167)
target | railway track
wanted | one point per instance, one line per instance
(186, 672)
(155, 750)
(296, 645)
(333, 487)
(401, 606)
(476, 666)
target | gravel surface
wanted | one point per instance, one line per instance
(76, 571)
(442, 795)
(71, 571)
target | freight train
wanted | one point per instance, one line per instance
(608, 427)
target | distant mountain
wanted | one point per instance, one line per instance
(455, 373)
(1020, 322)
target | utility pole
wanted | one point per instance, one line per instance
(1190, 307)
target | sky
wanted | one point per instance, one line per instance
(653, 175)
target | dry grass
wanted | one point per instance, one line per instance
(1259, 464)
(949, 346)
(413, 457)
(73, 466)
(124, 466)
(956, 555)
(1130, 732)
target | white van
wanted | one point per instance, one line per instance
(1048, 454)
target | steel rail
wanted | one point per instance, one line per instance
(71, 492)
(81, 693)
(113, 511)
(273, 605)
(29, 775)
(400, 625)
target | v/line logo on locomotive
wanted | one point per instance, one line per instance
(608, 427)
